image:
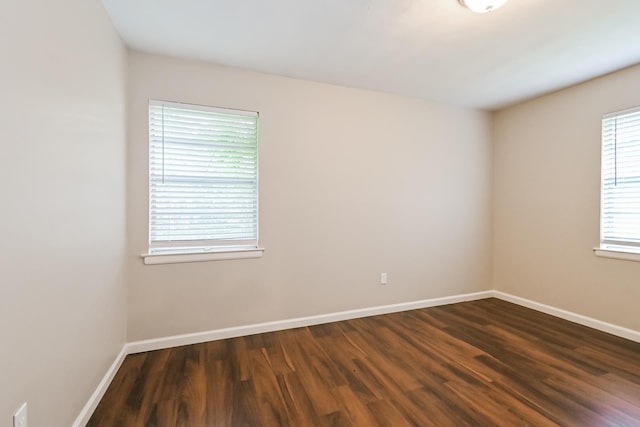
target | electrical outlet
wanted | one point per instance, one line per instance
(383, 278)
(20, 417)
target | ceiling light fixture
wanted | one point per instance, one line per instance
(482, 6)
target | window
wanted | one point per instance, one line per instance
(620, 194)
(203, 182)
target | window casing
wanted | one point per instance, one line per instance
(620, 180)
(203, 179)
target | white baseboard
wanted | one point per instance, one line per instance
(610, 328)
(95, 398)
(239, 331)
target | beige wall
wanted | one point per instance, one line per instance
(62, 171)
(352, 184)
(546, 202)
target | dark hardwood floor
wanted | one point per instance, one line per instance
(481, 363)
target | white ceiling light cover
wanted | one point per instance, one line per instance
(483, 6)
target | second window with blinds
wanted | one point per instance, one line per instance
(620, 180)
(203, 183)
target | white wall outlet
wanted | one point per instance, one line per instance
(20, 417)
(383, 278)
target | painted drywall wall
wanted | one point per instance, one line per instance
(547, 202)
(62, 172)
(352, 184)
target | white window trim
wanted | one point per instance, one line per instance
(626, 254)
(614, 249)
(172, 253)
(198, 256)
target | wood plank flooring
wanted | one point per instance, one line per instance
(481, 363)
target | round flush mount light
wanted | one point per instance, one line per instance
(482, 6)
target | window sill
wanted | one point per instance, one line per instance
(627, 254)
(179, 257)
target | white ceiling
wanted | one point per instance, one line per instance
(431, 49)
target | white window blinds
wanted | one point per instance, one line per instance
(620, 204)
(203, 178)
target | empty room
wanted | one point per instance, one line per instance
(320, 213)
